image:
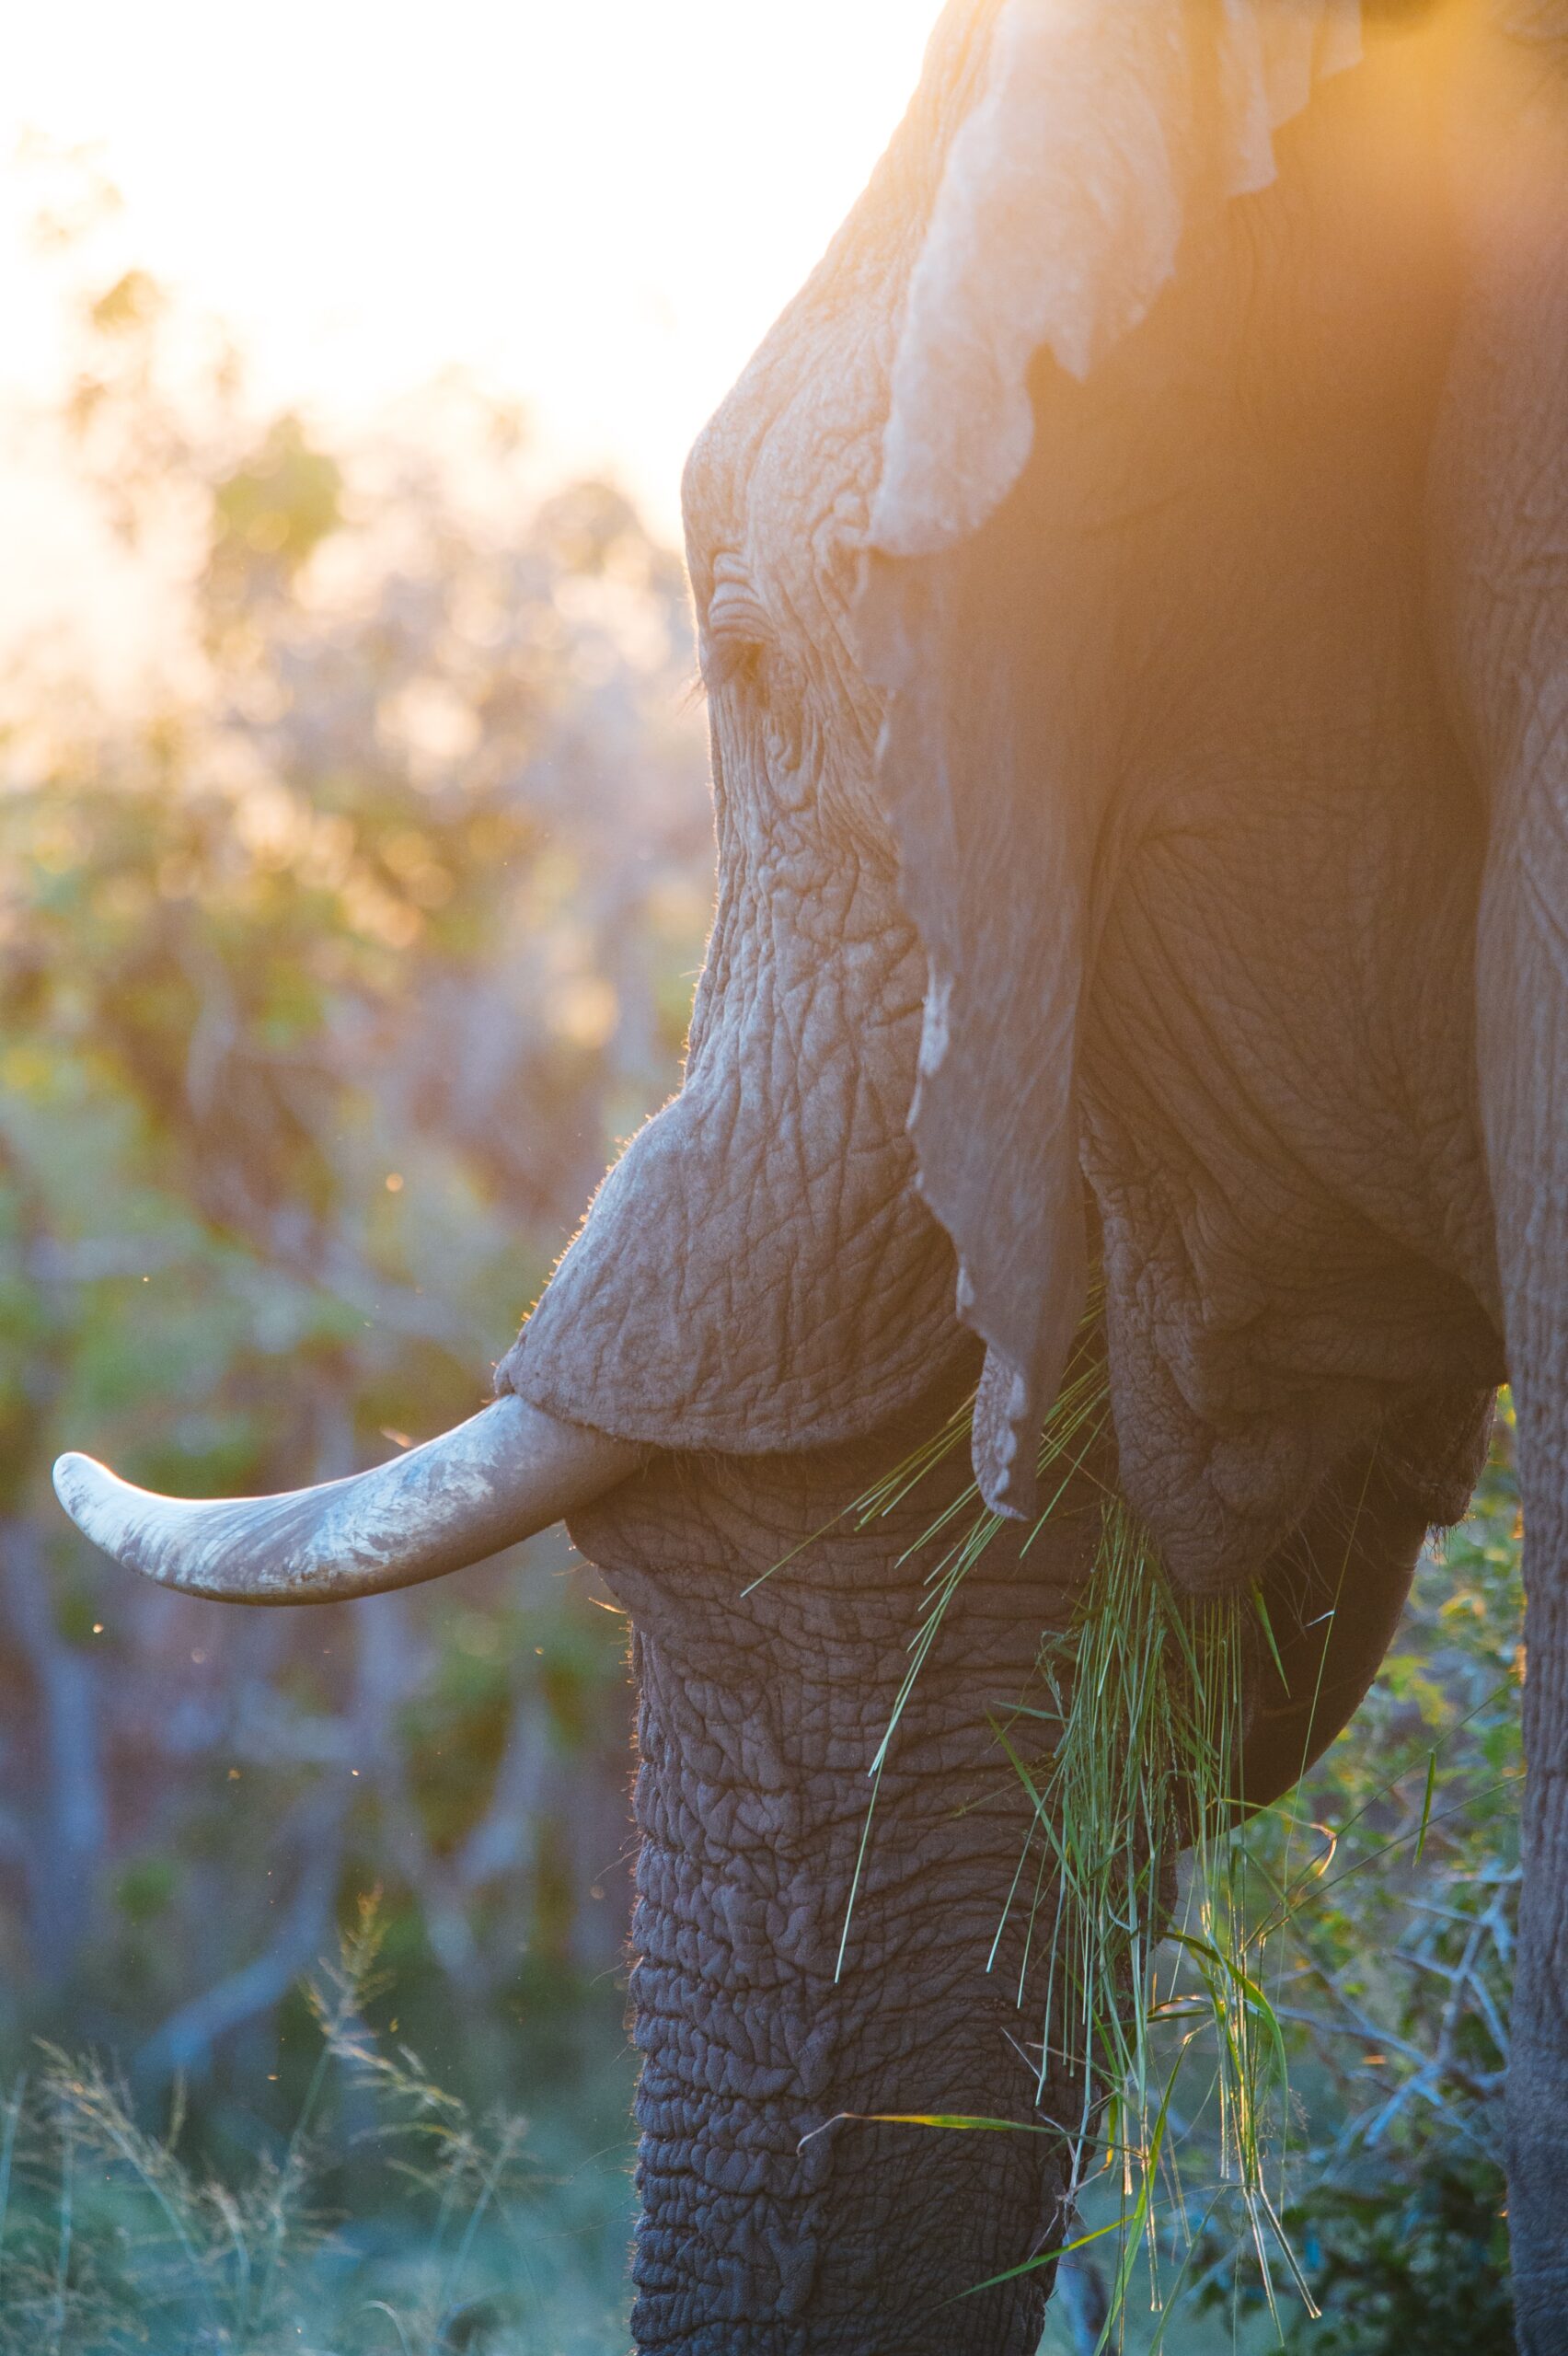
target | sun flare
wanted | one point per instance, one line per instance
(598, 207)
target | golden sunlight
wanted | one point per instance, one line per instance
(595, 205)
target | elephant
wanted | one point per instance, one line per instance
(1133, 604)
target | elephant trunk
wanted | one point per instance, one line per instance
(773, 2225)
(770, 2220)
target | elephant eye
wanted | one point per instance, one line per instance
(736, 636)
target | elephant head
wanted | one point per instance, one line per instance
(1109, 757)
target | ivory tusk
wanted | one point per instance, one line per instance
(508, 1471)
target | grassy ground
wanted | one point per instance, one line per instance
(392, 2218)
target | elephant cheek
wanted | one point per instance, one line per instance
(757, 1271)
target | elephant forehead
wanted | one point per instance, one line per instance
(784, 474)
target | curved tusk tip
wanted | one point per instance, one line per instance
(102, 1507)
(73, 1479)
(506, 1473)
(84, 1487)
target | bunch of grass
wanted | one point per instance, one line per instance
(1150, 1973)
(1145, 1969)
(114, 2240)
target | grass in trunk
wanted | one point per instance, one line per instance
(1127, 1766)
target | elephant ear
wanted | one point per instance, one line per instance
(1103, 132)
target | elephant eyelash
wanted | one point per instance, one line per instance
(736, 634)
(729, 657)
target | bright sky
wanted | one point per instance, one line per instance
(597, 204)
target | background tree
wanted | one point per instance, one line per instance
(334, 959)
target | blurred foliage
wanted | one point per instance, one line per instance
(1398, 1964)
(338, 949)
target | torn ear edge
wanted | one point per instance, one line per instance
(996, 857)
